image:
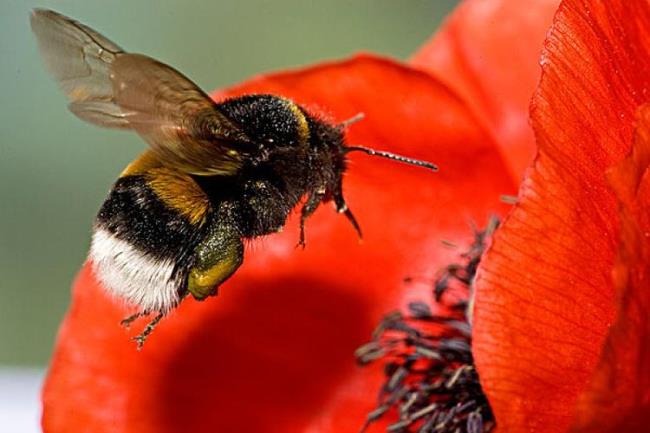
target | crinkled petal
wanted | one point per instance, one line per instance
(618, 398)
(545, 297)
(488, 52)
(274, 351)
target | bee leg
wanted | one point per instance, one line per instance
(342, 207)
(314, 199)
(350, 216)
(217, 257)
(142, 337)
(126, 322)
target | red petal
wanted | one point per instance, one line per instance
(618, 399)
(274, 351)
(545, 298)
(488, 52)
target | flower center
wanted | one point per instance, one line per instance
(431, 383)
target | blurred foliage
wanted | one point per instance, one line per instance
(55, 170)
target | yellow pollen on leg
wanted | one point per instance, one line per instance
(202, 283)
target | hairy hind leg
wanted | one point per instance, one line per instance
(148, 329)
(142, 337)
(218, 256)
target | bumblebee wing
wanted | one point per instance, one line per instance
(80, 59)
(178, 120)
(109, 87)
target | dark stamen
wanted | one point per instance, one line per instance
(430, 376)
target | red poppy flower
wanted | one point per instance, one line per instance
(561, 330)
(273, 352)
(488, 52)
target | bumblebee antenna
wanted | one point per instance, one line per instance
(392, 156)
(354, 119)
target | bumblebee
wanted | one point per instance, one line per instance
(215, 173)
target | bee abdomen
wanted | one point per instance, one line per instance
(131, 274)
(142, 249)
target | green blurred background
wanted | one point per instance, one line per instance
(55, 170)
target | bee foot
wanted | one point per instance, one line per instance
(126, 322)
(142, 337)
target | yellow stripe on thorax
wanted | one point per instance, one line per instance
(303, 125)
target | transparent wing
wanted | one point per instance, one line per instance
(80, 59)
(109, 87)
(175, 117)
